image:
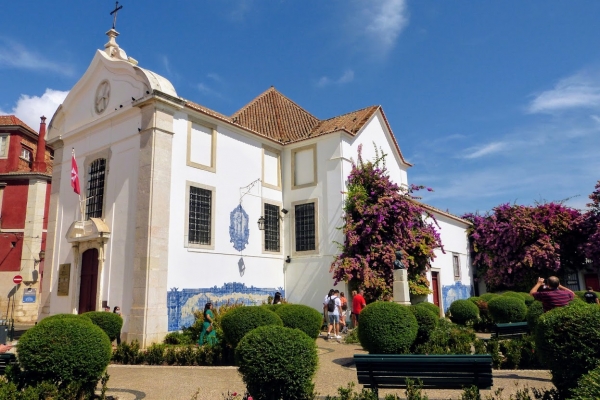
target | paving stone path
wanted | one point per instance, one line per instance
(129, 382)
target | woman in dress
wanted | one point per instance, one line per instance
(208, 334)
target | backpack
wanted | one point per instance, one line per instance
(331, 304)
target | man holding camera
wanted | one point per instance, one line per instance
(552, 296)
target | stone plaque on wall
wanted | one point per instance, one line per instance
(64, 279)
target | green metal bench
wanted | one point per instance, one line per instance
(6, 359)
(435, 371)
(510, 330)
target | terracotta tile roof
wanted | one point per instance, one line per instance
(11, 120)
(276, 117)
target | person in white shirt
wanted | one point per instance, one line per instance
(334, 309)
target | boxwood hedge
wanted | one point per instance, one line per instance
(427, 321)
(277, 363)
(504, 309)
(302, 317)
(387, 328)
(463, 311)
(110, 323)
(239, 321)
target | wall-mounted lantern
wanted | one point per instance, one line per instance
(261, 223)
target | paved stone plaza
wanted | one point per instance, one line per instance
(129, 382)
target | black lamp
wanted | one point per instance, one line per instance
(261, 223)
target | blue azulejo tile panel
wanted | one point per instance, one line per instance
(455, 292)
(182, 303)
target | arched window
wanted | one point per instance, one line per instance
(95, 189)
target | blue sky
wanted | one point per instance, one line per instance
(492, 102)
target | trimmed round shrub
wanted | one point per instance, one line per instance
(512, 294)
(475, 299)
(504, 309)
(239, 321)
(64, 351)
(588, 386)
(430, 306)
(273, 307)
(110, 323)
(427, 322)
(387, 328)
(527, 298)
(534, 311)
(463, 312)
(277, 363)
(488, 296)
(298, 316)
(64, 316)
(566, 340)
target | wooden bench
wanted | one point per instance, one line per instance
(435, 371)
(510, 330)
(6, 359)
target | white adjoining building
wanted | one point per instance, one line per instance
(174, 192)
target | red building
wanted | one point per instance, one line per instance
(25, 179)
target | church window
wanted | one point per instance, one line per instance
(4, 146)
(272, 228)
(456, 266)
(271, 164)
(95, 189)
(305, 226)
(199, 228)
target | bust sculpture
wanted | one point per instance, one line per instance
(398, 264)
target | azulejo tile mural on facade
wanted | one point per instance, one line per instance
(182, 303)
(455, 292)
(238, 228)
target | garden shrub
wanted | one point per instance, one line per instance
(588, 386)
(484, 323)
(512, 294)
(533, 313)
(273, 307)
(387, 328)
(580, 294)
(430, 306)
(63, 316)
(302, 317)
(278, 363)
(239, 321)
(474, 299)
(177, 338)
(64, 351)
(427, 321)
(110, 323)
(567, 343)
(463, 311)
(527, 298)
(488, 296)
(446, 338)
(128, 353)
(155, 354)
(504, 309)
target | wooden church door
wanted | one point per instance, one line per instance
(89, 281)
(435, 288)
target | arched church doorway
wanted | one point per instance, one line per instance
(88, 288)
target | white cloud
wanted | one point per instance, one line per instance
(15, 55)
(581, 90)
(382, 21)
(29, 109)
(347, 76)
(490, 148)
(208, 91)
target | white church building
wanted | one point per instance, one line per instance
(174, 193)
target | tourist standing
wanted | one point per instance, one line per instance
(556, 295)
(358, 303)
(344, 302)
(334, 308)
(208, 334)
(325, 302)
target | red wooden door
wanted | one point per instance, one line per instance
(89, 281)
(435, 288)
(592, 280)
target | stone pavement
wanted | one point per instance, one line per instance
(129, 382)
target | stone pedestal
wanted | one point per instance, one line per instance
(401, 293)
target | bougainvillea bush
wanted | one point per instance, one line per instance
(514, 244)
(591, 227)
(380, 219)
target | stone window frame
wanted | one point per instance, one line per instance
(293, 228)
(278, 152)
(312, 147)
(456, 266)
(213, 207)
(106, 154)
(213, 151)
(280, 206)
(7, 146)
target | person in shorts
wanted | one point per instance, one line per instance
(334, 315)
(358, 303)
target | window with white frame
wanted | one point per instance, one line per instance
(4, 146)
(26, 154)
(305, 226)
(200, 216)
(272, 232)
(456, 266)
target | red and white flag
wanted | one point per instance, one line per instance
(74, 174)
